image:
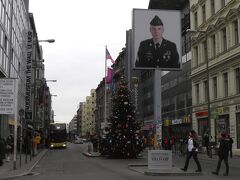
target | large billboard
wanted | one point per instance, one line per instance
(156, 39)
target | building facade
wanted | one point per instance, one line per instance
(88, 115)
(216, 67)
(14, 26)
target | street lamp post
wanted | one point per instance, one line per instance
(207, 73)
(34, 78)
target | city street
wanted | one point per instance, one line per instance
(71, 164)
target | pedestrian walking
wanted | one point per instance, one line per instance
(172, 144)
(9, 146)
(206, 141)
(223, 153)
(230, 145)
(2, 150)
(192, 151)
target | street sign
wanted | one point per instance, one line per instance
(7, 96)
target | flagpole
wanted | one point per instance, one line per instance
(105, 90)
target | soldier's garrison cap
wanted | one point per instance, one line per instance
(156, 21)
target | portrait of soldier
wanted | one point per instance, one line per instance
(157, 52)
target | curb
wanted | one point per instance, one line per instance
(143, 169)
(27, 172)
(90, 154)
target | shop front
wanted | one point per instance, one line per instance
(221, 116)
(202, 122)
(177, 128)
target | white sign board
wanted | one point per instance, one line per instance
(7, 96)
(159, 159)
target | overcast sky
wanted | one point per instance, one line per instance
(82, 29)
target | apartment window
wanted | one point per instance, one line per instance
(225, 83)
(196, 55)
(197, 93)
(195, 20)
(215, 87)
(206, 90)
(205, 51)
(235, 32)
(212, 7)
(224, 37)
(204, 13)
(237, 72)
(213, 46)
(222, 3)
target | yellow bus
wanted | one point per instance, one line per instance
(58, 135)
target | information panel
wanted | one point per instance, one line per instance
(7, 96)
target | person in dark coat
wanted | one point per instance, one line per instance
(206, 140)
(192, 151)
(157, 52)
(223, 152)
(231, 143)
(2, 150)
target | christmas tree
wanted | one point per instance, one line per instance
(123, 139)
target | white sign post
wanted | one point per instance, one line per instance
(159, 159)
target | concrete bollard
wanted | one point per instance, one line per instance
(89, 148)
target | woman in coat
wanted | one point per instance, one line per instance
(192, 151)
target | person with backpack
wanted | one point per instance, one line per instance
(223, 153)
(192, 151)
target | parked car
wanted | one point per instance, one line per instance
(78, 141)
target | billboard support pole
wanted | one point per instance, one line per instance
(157, 109)
(15, 125)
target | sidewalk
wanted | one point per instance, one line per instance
(176, 171)
(7, 172)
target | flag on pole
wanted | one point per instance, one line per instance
(109, 75)
(108, 56)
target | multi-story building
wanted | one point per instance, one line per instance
(100, 106)
(177, 102)
(79, 119)
(88, 115)
(216, 67)
(14, 25)
(73, 128)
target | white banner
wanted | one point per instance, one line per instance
(7, 96)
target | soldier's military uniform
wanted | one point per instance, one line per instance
(163, 55)
(166, 56)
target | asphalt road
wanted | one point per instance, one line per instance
(71, 164)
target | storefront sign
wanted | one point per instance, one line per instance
(147, 127)
(222, 110)
(201, 113)
(159, 159)
(176, 121)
